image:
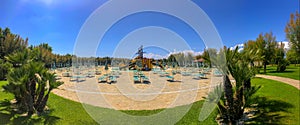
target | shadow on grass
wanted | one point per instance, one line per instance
(269, 112)
(280, 72)
(9, 115)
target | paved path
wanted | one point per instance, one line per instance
(292, 82)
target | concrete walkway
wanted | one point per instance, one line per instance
(292, 82)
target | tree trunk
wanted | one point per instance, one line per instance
(247, 84)
(265, 67)
(40, 97)
(228, 98)
(238, 104)
(30, 94)
(43, 103)
(29, 103)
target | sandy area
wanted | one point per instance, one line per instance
(127, 95)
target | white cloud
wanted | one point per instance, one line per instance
(286, 45)
(241, 46)
(187, 52)
(155, 56)
(158, 56)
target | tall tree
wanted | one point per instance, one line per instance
(292, 31)
(251, 52)
(266, 44)
(279, 58)
(10, 43)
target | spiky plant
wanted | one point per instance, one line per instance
(31, 85)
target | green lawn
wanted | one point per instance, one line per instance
(291, 71)
(278, 103)
(66, 112)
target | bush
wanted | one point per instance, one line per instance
(282, 65)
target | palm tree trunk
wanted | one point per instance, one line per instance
(228, 98)
(40, 97)
(247, 84)
(238, 105)
(30, 97)
(29, 104)
(43, 104)
(265, 67)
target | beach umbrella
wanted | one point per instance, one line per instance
(106, 67)
(54, 65)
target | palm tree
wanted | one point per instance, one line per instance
(231, 63)
(250, 54)
(266, 45)
(19, 58)
(10, 43)
(31, 85)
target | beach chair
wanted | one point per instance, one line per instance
(155, 70)
(136, 79)
(116, 70)
(102, 79)
(112, 79)
(145, 79)
(98, 72)
(66, 74)
(170, 78)
(203, 76)
(217, 73)
(185, 73)
(196, 76)
(163, 74)
(206, 70)
(73, 78)
(90, 74)
(57, 77)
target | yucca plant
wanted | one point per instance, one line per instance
(31, 85)
(233, 101)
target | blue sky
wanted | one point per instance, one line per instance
(58, 22)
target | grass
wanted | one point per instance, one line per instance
(278, 103)
(291, 71)
(65, 112)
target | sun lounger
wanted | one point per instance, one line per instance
(170, 78)
(90, 74)
(98, 72)
(199, 76)
(112, 79)
(155, 70)
(145, 79)
(217, 73)
(202, 75)
(77, 78)
(136, 79)
(66, 74)
(206, 70)
(185, 73)
(102, 79)
(57, 77)
(163, 74)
